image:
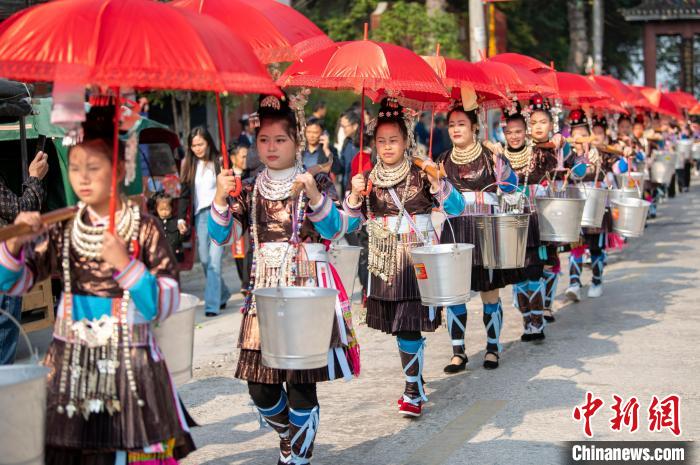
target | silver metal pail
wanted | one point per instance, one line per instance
(621, 194)
(345, 259)
(503, 239)
(632, 183)
(662, 171)
(629, 216)
(23, 418)
(444, 273)
(696, 151)
(559, 215)
(296, 324)
(22, 409)
(175, 338)
(594, 210)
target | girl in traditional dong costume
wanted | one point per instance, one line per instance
(284, 224)
(602, 167)
(535, 161)
(476, 172)
(395, 199)
(110, 398)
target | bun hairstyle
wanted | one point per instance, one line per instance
(624, 118)
(600, 121)
(273, 109)
(514, 113)
(390, 112)
(98, 130)
(471, 115)
(578, 118)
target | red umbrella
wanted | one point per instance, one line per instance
(454, 73)
(276, 31)
(365, 64)
(575, 89)
(385, 69)
(546, 72)
(122, 43)
(660, 102)
(682, 99)
(514, 79)
(619, 91)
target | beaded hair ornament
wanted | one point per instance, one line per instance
(577, 118)
(392, 111)
(539, 103)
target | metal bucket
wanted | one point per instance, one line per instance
(296, 324)
(503, 239)
(629, 216)
(560, 216)
(632, 183)
(594, 209)
(22, 409)
(621, 194)
(444, 273)
(23, 417)
(345, 259)
(662, 171)
(696, 151)
(175, 338)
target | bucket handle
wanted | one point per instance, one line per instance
(636, 183)
(32, 350)
(505, 183)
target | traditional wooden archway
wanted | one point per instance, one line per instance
(668, 17)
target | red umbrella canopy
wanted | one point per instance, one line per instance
(575, 89)
(123, 43)
(618, 90)
(661, 102)
(455, 73)
(682, 99)
(366, 64)
(546, 72)
(276, 31)
(695, 110)
(514, 79)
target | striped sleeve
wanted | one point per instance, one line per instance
(141, 284)
(452, 200)
(508, 178)
(330, 222)
(15, 277)
(220, 225)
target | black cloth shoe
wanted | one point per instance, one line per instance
(452, 368)
(210, 314)
(490, 364)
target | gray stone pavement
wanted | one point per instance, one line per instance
(636, 340)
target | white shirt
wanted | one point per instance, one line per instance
(204, 186)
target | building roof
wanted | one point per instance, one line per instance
(663, 10)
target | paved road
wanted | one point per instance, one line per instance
(639, 339)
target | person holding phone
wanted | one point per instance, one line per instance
(318, 145)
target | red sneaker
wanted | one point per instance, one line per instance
(409, 409)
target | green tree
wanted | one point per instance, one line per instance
(408, 24)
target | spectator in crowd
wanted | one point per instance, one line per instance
(238, 154)
(320, 110)
(318, 145)
(350, 123)
(169, 222)
(32, 198)
(198, 178)
(247, 137)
